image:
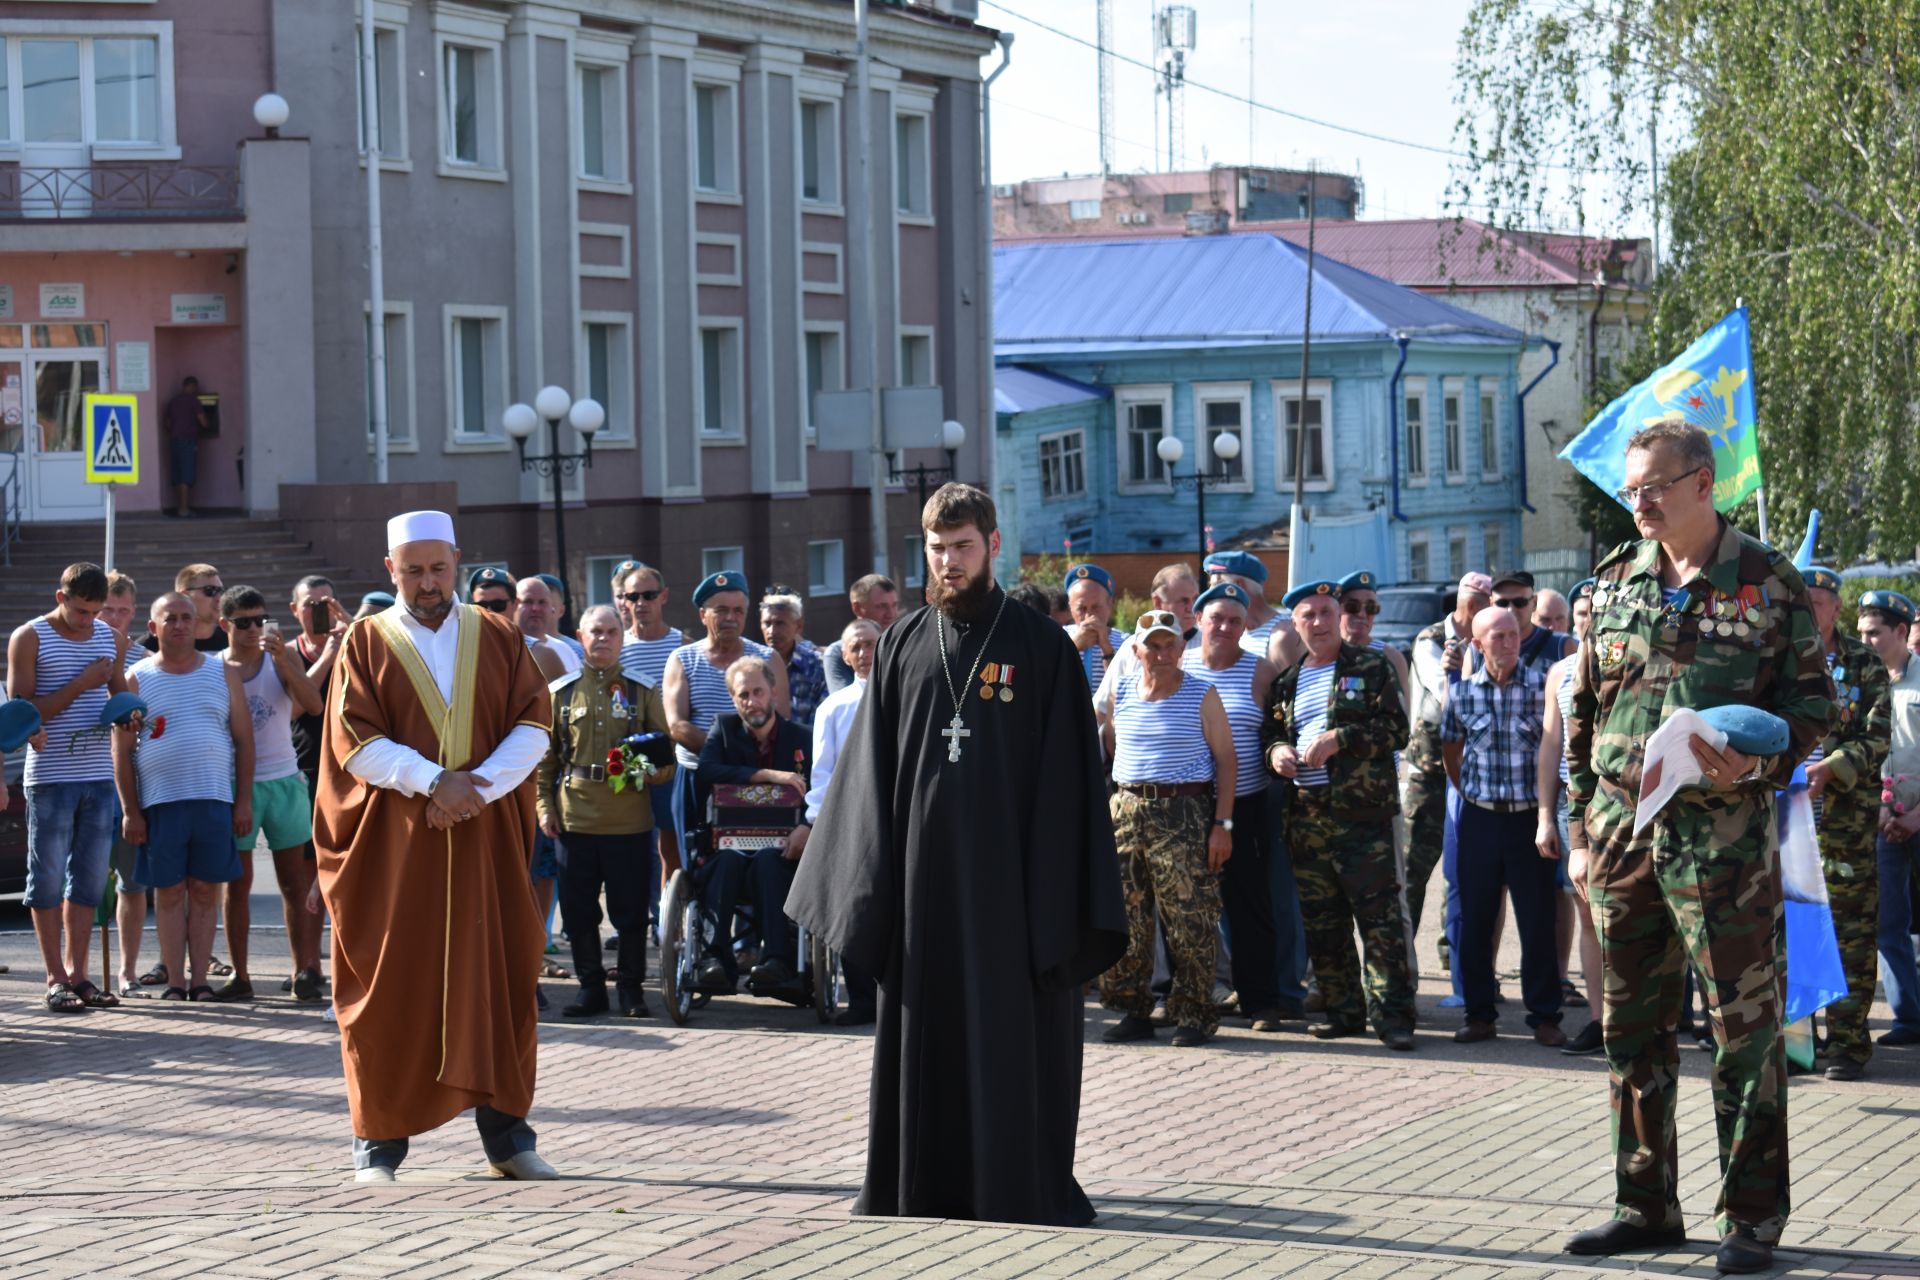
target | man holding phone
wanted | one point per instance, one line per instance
(321, 620)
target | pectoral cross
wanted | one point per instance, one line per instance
(953, 733)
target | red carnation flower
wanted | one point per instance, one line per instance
(158, 727)
(799, 756)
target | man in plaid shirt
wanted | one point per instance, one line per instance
(1490, 736)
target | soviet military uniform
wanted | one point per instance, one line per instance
(1702, 883)
(1849, 821)
(1341, 835)
(1426, 790)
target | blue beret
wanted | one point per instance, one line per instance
(714, 583)
(1088, 573)
(378, 599)
(122, 707)
(489, 577)
(1749, 730)
(1358, 580)
(1818, 575)
(1324, 587)
(1241, 564)
(1581, 589)
(1225, 591)
(19, 720)
(554, 584)
(1890, 602)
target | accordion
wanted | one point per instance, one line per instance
(753, 816)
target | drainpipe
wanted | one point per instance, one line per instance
(1521, 417)
(1393, 424)
(983, 285)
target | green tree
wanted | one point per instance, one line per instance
(1790, 179)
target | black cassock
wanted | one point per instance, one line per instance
(983, 893)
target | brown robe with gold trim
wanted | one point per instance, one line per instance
(434, 932)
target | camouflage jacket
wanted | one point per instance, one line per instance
(1746, 634)
(1857, 745)
(1368, 716)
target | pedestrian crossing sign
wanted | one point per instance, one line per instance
(112, 439)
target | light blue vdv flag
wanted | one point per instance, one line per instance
(1710, 384)
(1815, 978)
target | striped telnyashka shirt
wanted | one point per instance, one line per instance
(1162, 740)
(191, 757)
(707, 690)
(90, 757)
(1312, 697)
(1244, 715)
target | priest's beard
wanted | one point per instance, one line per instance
(966, 602)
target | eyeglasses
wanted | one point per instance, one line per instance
(1656, 492)
(633, 597)
(1515, 602)
(248, 624)
(1368, 607)
(495, 606)
(210, 590)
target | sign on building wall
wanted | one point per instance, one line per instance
(199, 308)
(63, 301)
(6, 302)
(132, 366)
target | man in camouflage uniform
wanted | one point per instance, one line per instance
(1843, 778)
(1439, 655)
(1334, 719)
(1696, 614)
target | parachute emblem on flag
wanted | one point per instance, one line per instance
(1707, 404)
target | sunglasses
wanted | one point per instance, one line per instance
(1157, 618)
(210, 590)
(495, 606)
(1368, 607)
(1515, 602)
(634, 597)
(248, 623)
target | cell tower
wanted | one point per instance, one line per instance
(1174, 28)
(1104, 39)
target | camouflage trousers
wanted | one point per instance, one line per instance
(1700, 887)
(1163, 868)
(1853, 891)
(1346, 876)
(1425, 805)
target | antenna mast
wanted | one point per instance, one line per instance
(1104, 39)
(1174, 28)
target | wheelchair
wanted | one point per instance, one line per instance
(753, 820)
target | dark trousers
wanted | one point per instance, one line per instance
(501, 1136)
(861, 989)
(1247, 896)
(622, 864)
(772, 877)
(1496, 850)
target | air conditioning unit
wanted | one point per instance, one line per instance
(1005, 190)
(969, 9)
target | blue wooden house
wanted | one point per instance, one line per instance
(1103, 348)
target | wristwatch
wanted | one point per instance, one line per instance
(1225, 824)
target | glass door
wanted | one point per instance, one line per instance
(13, 419)
(63, 366)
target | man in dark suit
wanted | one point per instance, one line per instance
(752, 744)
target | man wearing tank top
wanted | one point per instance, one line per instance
(67, 663)
(274, 682)
(185, 776)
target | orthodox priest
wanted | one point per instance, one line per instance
(423, 826)
(964, 855)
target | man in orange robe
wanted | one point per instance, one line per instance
(423, 827)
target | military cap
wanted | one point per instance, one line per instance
(489, 577)
(1225, 591)
(1581, 589)
(1323, 587)
(714, 583)
(1520, 576)
(1088, 573)
(19, 720)
(1241, 564)
(378, 599)
(1359, 580)
(1818, 575)
(1749, 730)
(1890, 602)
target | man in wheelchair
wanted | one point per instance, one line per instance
(743, 861)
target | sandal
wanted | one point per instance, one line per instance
(219, 968)
(62, 998)
(94, 997)
(155, 977)
(201, 993)
(548, 969)
(174, 993)
(133, 990)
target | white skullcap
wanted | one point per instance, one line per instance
(420, 526)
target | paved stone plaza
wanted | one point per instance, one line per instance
(161, 1141)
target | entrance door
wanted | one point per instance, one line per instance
(56, 383)
(13, 420)
(54, 156)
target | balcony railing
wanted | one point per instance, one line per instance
(134, 189)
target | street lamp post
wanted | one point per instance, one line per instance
(952, 436)
(1226, 447)
(554, 404)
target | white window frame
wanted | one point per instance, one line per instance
(1488, 406)
(913, 566)
(828, 202)
(725, 77)
(1240, 393)
(1072, 441)
(489, 114)
(920, 110)
(836, 580)
(617, 433)
(165, 146)
(1424, 543)
(386, 22)
(733, 388)
(1124, 398)
(1456, 564)
(401, 362)
(1288, 389)
(1453, 431)
(1417, 462)
(837, 330)
(613, 124)
(722, 560)
(918, 333)
(1083, 210)
(1493, 537)
(495, 439)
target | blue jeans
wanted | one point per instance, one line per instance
(502, 1137)
(1450, 868)
(1897, 967)
(69, 840)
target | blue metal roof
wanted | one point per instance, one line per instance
(1017, 390)
(1085, 295)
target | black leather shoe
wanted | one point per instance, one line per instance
(1398, 1039)
(1624, 1237)
(711, 975)
(1740, 1253)
(1188, 1038)
(1588, 1041)
(634, 1005)
(852, 1017)
(1845, 1069)
(1899, 1036)
(1474, 1032)
(590, 1004)
(775, 972)
(1130, 1028)
(1332, 1030)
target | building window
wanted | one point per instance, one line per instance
(600, 578)
(1456, 553)
(1489, 436)
(912, 164)
(722, 560)
(1083, 210)
(826, 568)
(606, 371)
(1319, 444)
(1143, 416)
(916, 360)
(1063, 465)
(476, 373)
(1223, 408)
(714, 137)
(1415, 445)
(1491, 550)
(388, 62)
(399, 381)
(1419, 558)
(1451, 395)
(826, 368)
(603, 119)
(1177, 202)
(720, 380)
(470, 85)
(113, 91)
(819, 152)
(913, 565)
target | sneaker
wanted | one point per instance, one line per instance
(1159, 1016)
(1128, 1029)
(1453, 1002)
(1588, 1041)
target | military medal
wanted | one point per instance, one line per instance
(956, 730)
(1006, 682)
(986, 693)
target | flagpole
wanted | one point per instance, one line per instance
(1759, 494)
